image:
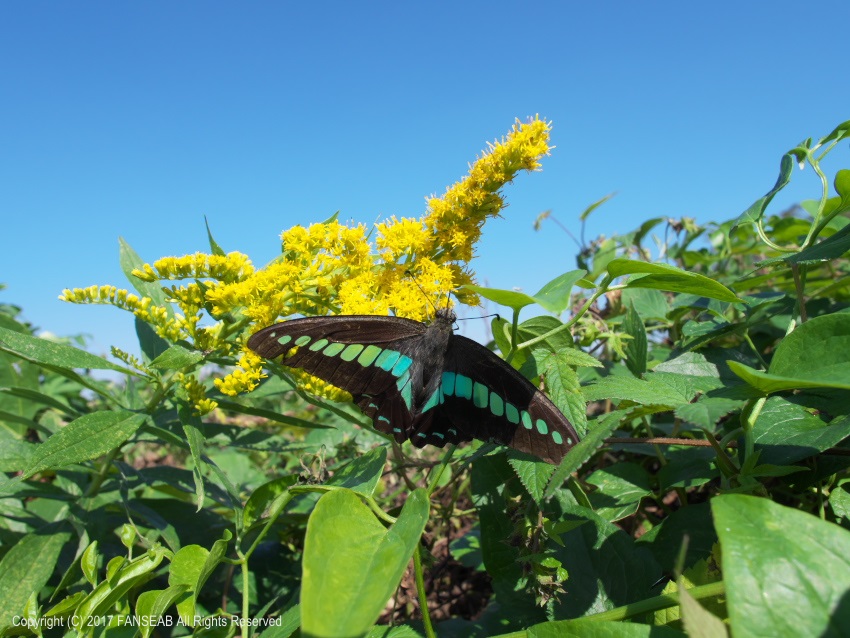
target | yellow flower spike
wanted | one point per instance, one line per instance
(318, 387)
(246, 376)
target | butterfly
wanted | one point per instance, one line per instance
(422, 382)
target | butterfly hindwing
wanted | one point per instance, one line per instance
(483, 397)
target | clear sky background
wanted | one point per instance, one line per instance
(137, 119)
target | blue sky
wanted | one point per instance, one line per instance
(137, 119)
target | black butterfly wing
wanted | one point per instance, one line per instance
(368, 356)
(483, 397)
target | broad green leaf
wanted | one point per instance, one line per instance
(832, 247)
(620, 489)
(14, 454)
(666, 277)
(787, 573)
(815, 355)
(606, 567)
(650, 391)
(562, 385)
(150, 343)
(363, 473)
(839, 133)
(175, 358)
(130, 260)
(691, 363)
(533, 474)
(266, 497)
(665, 540)
(756, 210)
(687, 467)
(397, 631)
(184, 572)
(588, 628)
(576, 457)
(83, 439)
(707, 411)
(353, 564)
(215, 556)
(191, 428)
(699, 622)
(510, 298)
(555, 295)
(26, 568)
(290, 620)
(649, 303)
(153, 604)
(785, 432)
(839, 501)
(636, 347)
(46, 352)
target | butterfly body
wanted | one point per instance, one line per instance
(422, 382)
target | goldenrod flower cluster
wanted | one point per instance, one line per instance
(329, 268)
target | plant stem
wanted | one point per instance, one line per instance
(420, 590)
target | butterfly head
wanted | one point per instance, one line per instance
(446, 316)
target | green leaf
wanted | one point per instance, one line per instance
(815, 355)
(533, 474)
(175, 358)
(589, 628)
(787, 573)
(666, 277)
(586, 212)
(555, 295)
(755, 212)
(363, 473)
(786, 432)
(150, 343)
(83, 439)
(353, 564)
(839, 501)
(832, 247)
(153, 604)
(687, 467)
(620, 489)
(195, 438)
(41, 398)
(650, 304)
(26, 568)
(52, 354)
(271, 415)
(214, 247)
(699, 622)
(184, 572)
(707, 411)
(839, 133)
(636, 347)
(266, 497)
(130, 260)
(585, 448)
(128, 575)
(562, 385)
(649, 391)
(665, 540)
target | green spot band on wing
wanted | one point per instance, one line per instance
(542, 427)
(511, 413)
(303, 340)
(387, 359)
(318, 345)
(284, 340)
(448, 383)
(368, 356)
(401, 365)
(480, 395)
(351, 352)
(526, 420)
(434, 400)
(463, 386)
(497, 405)
(333, 349)
(556, 437)
(403, 385)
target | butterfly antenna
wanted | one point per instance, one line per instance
(422, 290)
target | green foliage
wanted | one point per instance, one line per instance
(710, 381)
